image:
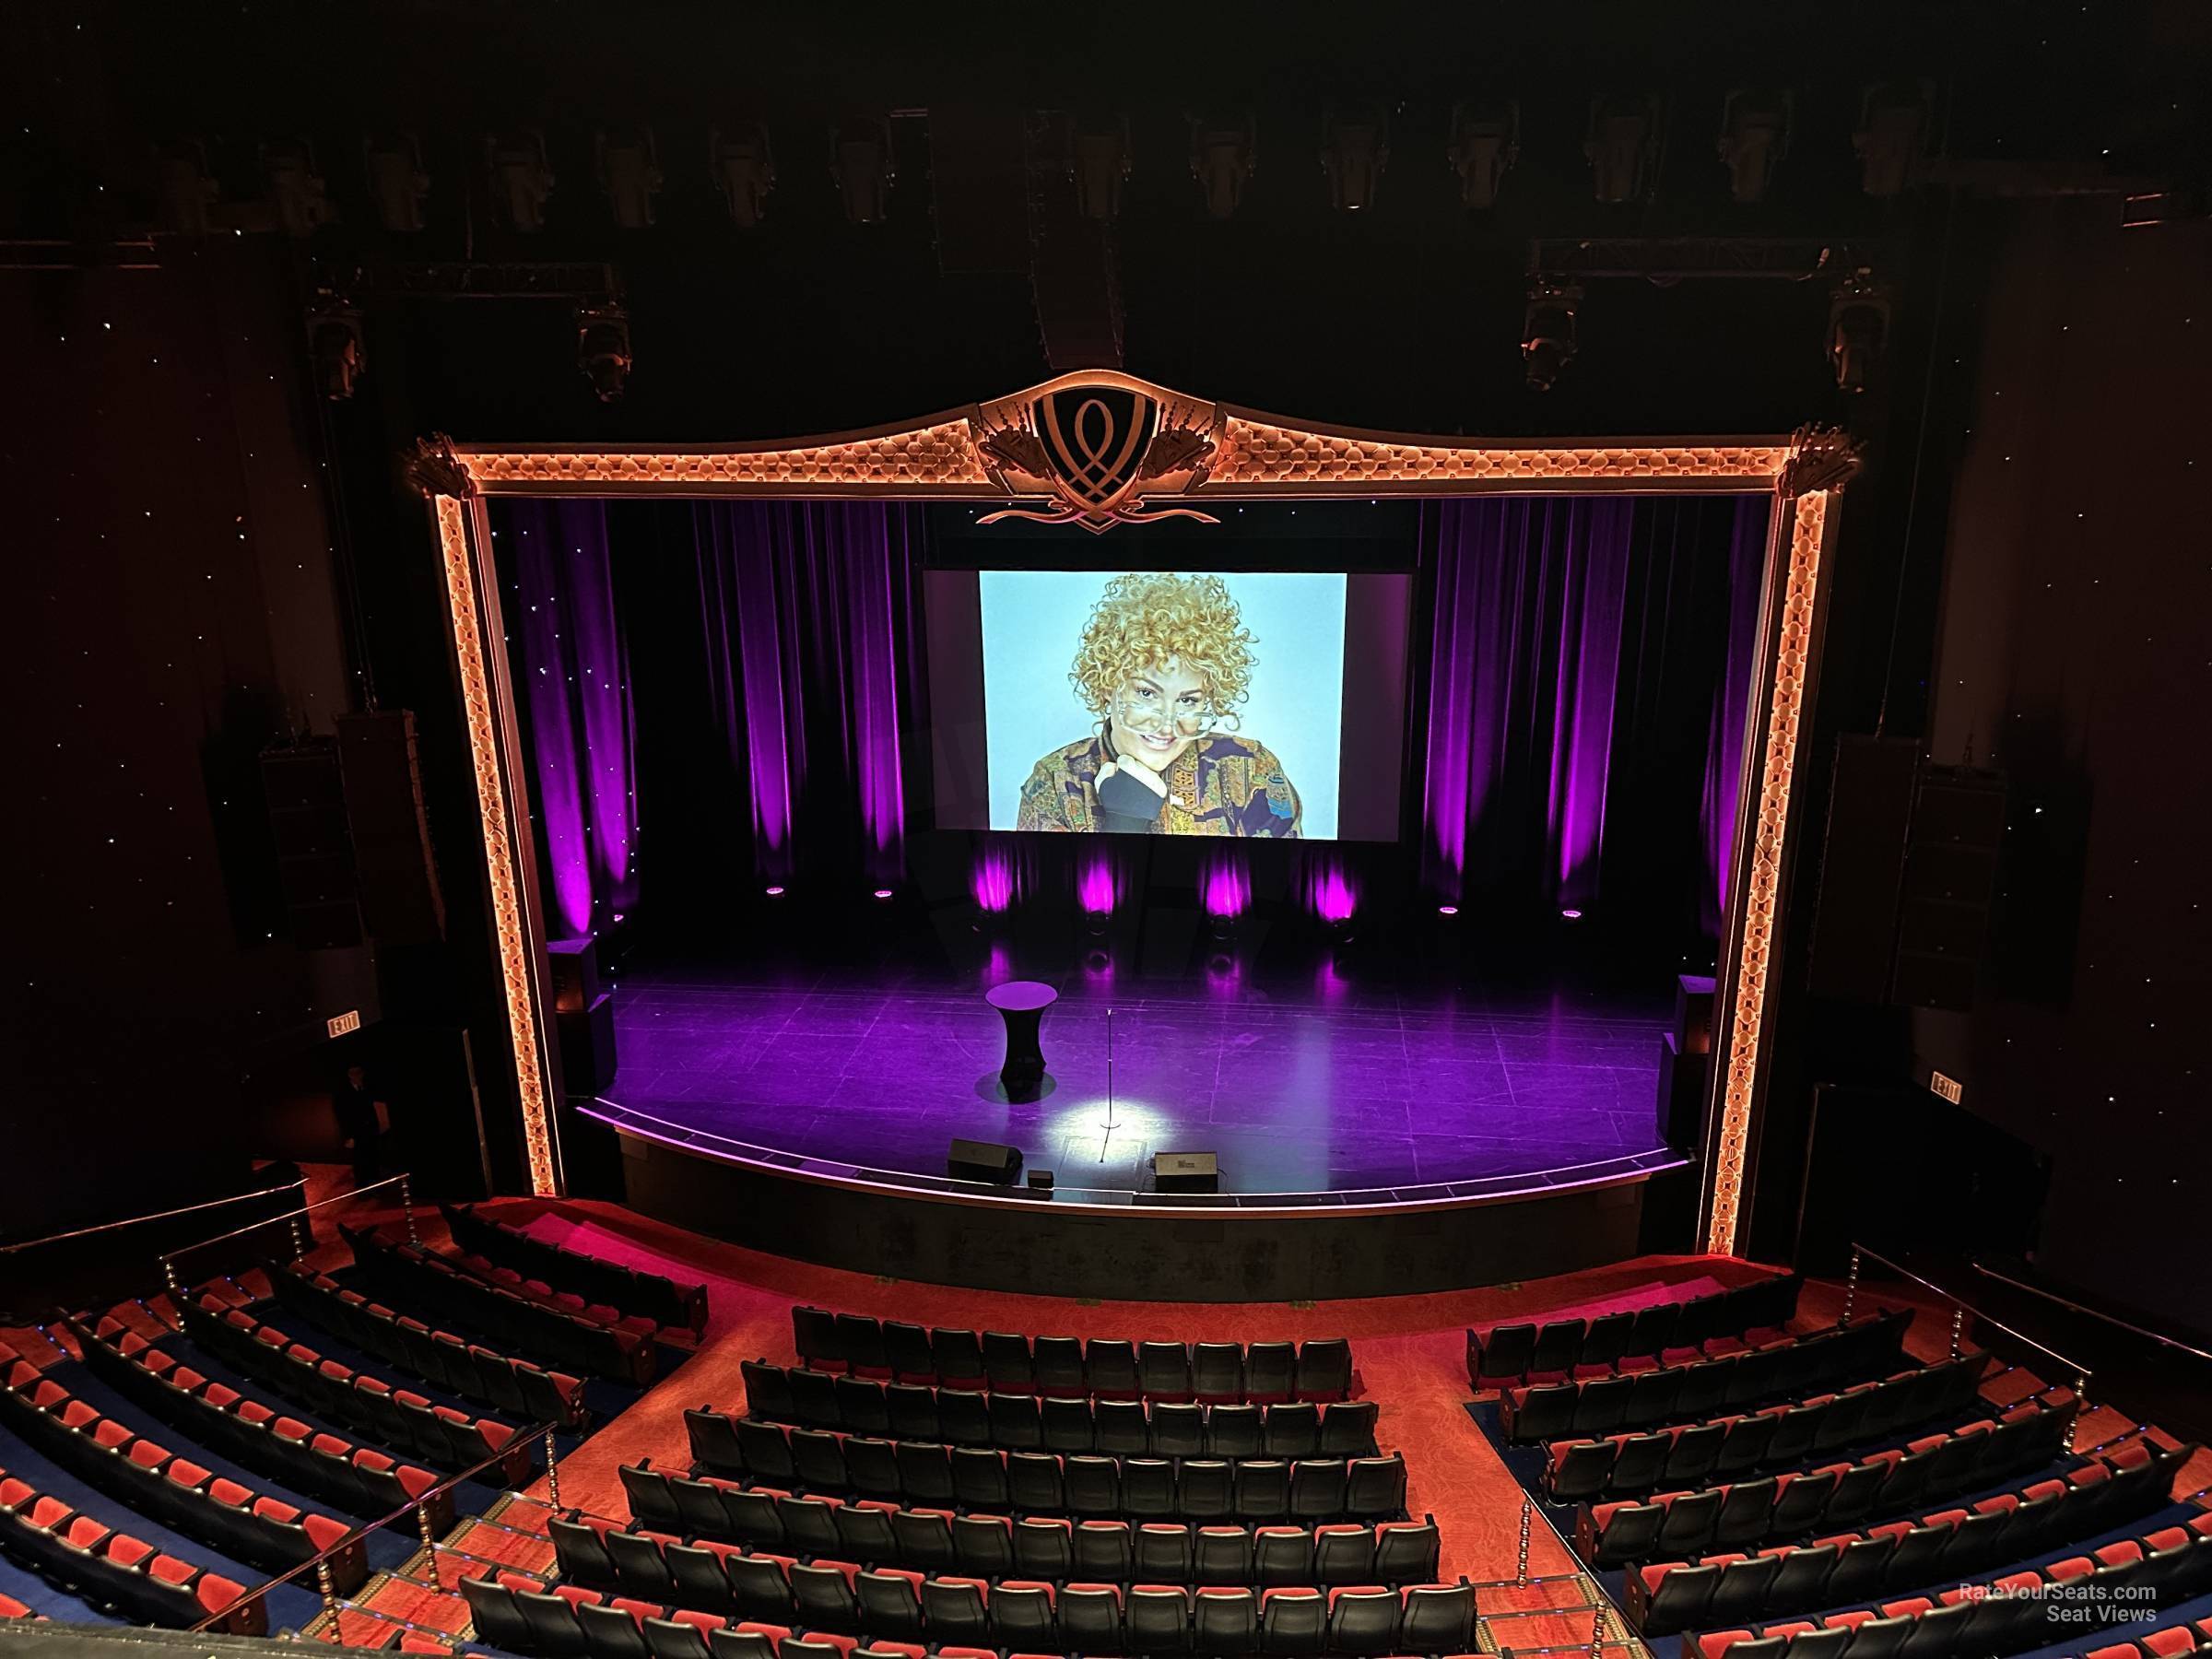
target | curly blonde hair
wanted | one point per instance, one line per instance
(1148, 619)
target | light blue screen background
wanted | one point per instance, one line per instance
(1032, 619)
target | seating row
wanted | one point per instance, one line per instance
(440, 1434)
(2003, 1616)
(163, 1485)
(554, 1335)
(1783, 1369)
(654, 1296)
(1791, 1506)
(1025, 1422)
(938, 1540)
(454, 1363)
(1888, 1560)
(1044, 1483)
(361, 1480)
(1777, 1437)
(511, 1611)
(12, 1609)
(1005, 1362)
(1507, 1354)
(638, 1560)
(2175, 1640)
(105, 1566)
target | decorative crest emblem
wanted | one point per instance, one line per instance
(1094, 445)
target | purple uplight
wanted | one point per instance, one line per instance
(1447, 910)
(993, 879)
(883, 893)
(1330, 891)
(1571, 915)
(773, 892)
(1225, 887)
(1094, 883)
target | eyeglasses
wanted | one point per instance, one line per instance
(1143, 714)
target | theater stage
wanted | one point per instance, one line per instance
(1302, 1083)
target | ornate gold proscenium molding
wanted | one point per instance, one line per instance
(1758, 904)
(436, 468)
(1100, 448)
(509, 930)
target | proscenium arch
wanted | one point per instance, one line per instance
(1197, 452)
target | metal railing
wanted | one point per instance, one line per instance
(418, 1507)
(2112, 1319)
(1591, 1600)
(185, 1209)
(301, 1239)
(1960, 1308)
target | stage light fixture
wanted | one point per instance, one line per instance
(1623, 147)
(773, 892)
(1571, 915)
(522, 178)
(396, 179)
(1894, 118)
(1755, 136)
(882, 893)
(1355, 147)
(603, 349)
(1548, 341)
(297, 189)
(629, 171)
(1099, 164)
(1224, 148)
(336, 344)
(1858, 329)
(1486, 141)
(860, 161)
(1447, 910)
(744, 171)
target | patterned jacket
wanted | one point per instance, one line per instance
(1220, 785)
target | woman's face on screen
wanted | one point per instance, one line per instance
(1158, 714)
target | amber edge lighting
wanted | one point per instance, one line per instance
(491, 798)
(1777, 766)
(1256, 453)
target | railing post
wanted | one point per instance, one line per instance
(1520, 1571)
(1597, 1620)
(553, 1470)
(169, 1276)
(430, 1543)
(2081, 1410)
(407, 1201)
(300, 1244)
(330, 1599)
(1957, 1325)
(1851, 1285)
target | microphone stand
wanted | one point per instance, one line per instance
(1109, 1124)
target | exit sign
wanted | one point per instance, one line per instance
(1951, 1088)
(339, 1024)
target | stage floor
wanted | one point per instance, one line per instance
(1309, 1084)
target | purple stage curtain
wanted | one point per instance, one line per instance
(577, 710)
(807, 608)
(1731, 710)
(1574, 678)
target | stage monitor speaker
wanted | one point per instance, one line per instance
(983, 1161)
(1950, 878)
(1693, 1013)
(587, 1045)
(575, 964)
(1863, 866)
(400, 903)
(1185, 1173)
(305, 792)
(1682, 1095)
